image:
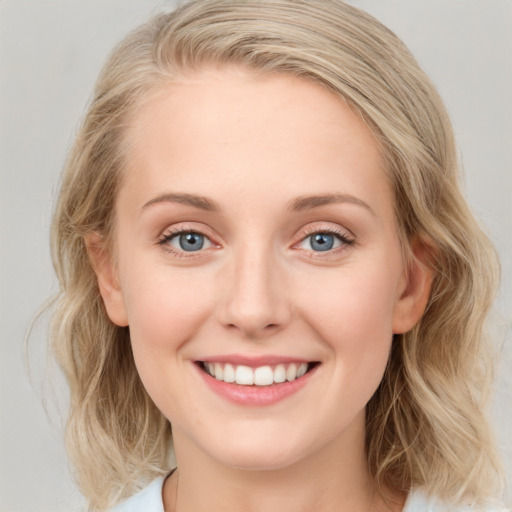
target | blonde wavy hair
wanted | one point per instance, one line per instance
(425, 424)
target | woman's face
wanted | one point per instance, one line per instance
(256, 232)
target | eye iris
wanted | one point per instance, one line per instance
(191, 241)
(322, 242)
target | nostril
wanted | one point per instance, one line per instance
(252, 330)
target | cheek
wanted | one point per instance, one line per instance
(164, 310)
(351, 305)
(353, 312)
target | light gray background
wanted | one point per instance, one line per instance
(50, 54)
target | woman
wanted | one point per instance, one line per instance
(261, 242)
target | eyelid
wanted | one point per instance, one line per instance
(325, 227)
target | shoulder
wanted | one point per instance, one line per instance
(418, 501)
(147, 500)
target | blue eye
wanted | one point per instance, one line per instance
(187, 241)
(191, 241)
(322, 241)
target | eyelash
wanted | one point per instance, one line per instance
(171, 233)
(342, 236)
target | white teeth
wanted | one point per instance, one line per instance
(301, 370)
(279, 373)
(261, 376)
(229, 373)
(219, 371)
(291, 372)
(244, 375)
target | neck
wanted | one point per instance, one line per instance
(333, 479)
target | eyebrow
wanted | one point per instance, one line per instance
(298, 204)
(201, 202)
(308, 202)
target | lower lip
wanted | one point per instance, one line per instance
(255, 395)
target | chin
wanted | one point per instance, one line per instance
(261, 455)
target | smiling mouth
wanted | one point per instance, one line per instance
(260, 376)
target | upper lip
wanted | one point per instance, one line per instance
(254, 361)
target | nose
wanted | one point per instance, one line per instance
(254, 295)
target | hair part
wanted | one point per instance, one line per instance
(425, 424)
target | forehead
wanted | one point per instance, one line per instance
(257, 132)
(230, 94)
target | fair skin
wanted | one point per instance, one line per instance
(255, 226)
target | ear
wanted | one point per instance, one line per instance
(415, 287)
(108, 282)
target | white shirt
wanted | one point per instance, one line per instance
(150, 500)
